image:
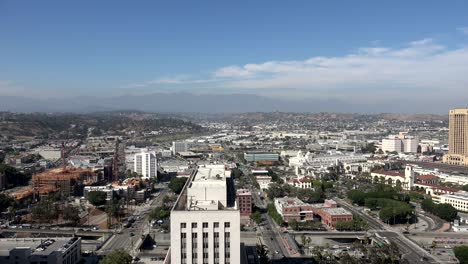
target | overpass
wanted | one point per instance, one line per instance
(71, 232)
(330, 234)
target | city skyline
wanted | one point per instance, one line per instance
(359, 54)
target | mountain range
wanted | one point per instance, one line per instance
(204, 103)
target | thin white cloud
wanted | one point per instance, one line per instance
(463, 30)
(178, 80)
(421, 68)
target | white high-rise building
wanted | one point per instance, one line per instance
(400, 143)
(410, 144)
(205, 221)
(392, 144)
(146, 164)
(179, 146)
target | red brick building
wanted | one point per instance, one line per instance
(244, 202)
(330, 216)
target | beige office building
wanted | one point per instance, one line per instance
(205, 220)
(458, 137)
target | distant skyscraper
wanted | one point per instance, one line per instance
(146, 164)
(458, 137)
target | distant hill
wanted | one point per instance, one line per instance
(80, 125)
(207, 103)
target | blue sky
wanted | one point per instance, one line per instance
(358, 50)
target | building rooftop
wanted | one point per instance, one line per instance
(210, 187)
(290, 201)
(336, 211)
(243, 192)
(38, 246)
(211, 173)
(391, 173)
(462, 195)
(427, 177)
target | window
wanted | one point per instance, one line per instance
(205, 224)
(216, 224)
(194, 225)
(227, 224)
(183, 225)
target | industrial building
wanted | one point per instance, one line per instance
(262, 157)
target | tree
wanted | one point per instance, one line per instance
(13, 176)
(357, 197)
(158, 213)
(113, 209)
(461, 252)
(274, 214)
(5, 202)
(44, 211)
(118, 256)
(262, 253)
(444, 211)
(71, 213)
(256, 216)
(97, 198)
(177, 184)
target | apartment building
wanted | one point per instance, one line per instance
(146, 164)
(244, 201)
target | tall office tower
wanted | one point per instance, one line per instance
(458, 137)
(179, 146)
(146, 164)
(205, 220)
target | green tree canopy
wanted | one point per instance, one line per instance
(158, 213)
(256, 216)
(71, 213)
(97, 198)
(444, 211)
(461, 252)
(118, 256)
(5, 202)
(177, 184)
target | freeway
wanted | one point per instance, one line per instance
(411, 251)
(61, 231)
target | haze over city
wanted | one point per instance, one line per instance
(310, 56)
